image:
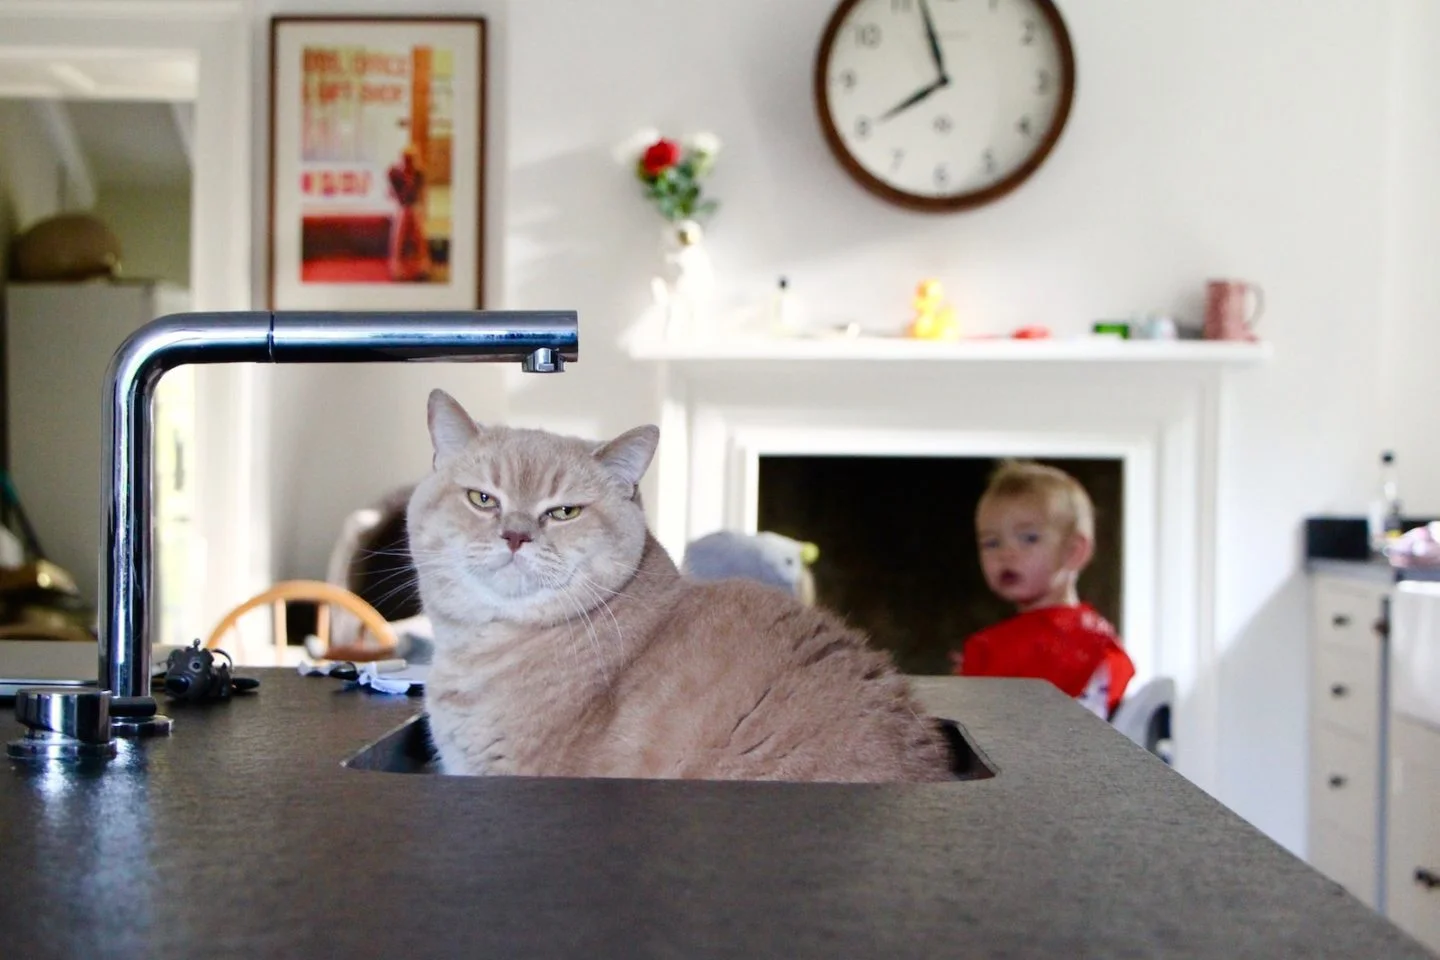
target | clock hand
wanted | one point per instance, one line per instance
(934, 39)
(915, 98)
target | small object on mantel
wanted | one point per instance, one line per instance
(1157, 326)
(849, 330)
(784, 313)
(934, 317)
(1111, 328)
(1033, 332)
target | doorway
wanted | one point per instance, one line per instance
(159, 43)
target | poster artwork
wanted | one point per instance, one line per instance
(376, 157)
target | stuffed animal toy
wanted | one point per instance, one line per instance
(767, 557)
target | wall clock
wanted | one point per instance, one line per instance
(943, 105)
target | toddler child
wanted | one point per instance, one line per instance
(1036, 530)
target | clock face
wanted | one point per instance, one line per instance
(944, 104)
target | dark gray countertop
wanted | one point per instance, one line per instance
(241, 835)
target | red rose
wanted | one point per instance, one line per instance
(660, 156)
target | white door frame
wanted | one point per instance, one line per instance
(230, 474)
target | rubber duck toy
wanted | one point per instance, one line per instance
(934, 317)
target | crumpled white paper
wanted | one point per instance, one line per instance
(401, 681)
(382, 676)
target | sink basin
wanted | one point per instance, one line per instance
(408, 749)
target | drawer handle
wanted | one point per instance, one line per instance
(1339, 690)
(1340, 620)
(1427, 878)
(1337, 781)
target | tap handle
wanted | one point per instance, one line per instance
(63, 724)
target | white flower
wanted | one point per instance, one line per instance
(705, 143)
(630, 150)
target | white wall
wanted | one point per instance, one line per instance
(1230, 138)
(152, 223)
(33, 176)
(343, 436)
(1411, 386)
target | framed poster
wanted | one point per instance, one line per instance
(377, 163)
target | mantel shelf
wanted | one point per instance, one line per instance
(890, 349)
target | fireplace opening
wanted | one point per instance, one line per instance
(898, 555)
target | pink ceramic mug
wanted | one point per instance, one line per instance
(1232, 308)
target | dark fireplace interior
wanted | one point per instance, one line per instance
(898, 556)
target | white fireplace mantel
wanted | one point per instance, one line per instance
(1155, 406)
(909, 350)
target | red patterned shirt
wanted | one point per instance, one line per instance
(1065, 645)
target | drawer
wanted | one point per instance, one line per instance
(1413, 858)
(1344, 613)
(1344, 782)
(1346, 691)
(1349, 859)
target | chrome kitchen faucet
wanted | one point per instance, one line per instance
(540, 341)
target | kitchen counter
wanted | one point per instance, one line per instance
(1377, 570)
(242, 835)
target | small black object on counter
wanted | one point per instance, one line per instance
(194, 673)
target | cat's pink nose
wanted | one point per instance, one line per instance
(515, 538)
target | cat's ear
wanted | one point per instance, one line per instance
(628, 455)
(451, 428)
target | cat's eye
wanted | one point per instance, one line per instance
(563, 513)
(482, 499)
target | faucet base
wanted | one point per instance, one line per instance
(138, 727)
(137, 717)
(41, 745)
(62, 724)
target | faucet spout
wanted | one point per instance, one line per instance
(540, 341)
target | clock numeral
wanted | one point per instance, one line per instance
(1024, 126)
(901, 6)
(942, 176)
(899, 157)
(848, 79)
(990, 165)
(943, 124)
(1028, 37)
(1042, 82)
(868, 35)
(862, 128)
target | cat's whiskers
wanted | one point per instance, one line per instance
(369, 552)
(601, 596)
(398, 589)
(575, 579)
(641, 603)
(559, 589)
(601, 602)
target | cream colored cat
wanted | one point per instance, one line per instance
(567, 643)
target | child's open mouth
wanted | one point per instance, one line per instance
(1008, 578)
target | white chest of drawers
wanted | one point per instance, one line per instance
(1347, 732)
(1412, 824)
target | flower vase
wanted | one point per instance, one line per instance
(686, 285)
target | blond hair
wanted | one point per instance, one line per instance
(1064, 500)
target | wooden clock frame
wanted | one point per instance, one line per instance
(958, 202)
